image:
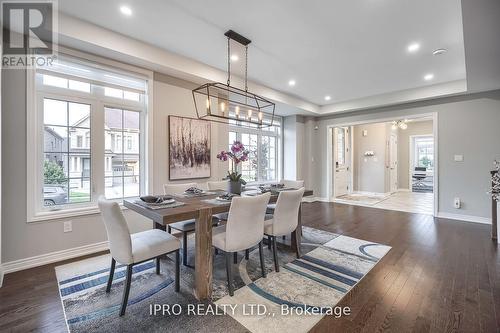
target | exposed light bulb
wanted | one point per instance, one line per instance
(237, 111)
(260, 116)
(403, 126)
(249, 114)
(222, 107)
(394, 127)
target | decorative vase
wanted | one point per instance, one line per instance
(234, 187)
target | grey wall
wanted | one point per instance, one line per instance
(414, 128)
(369, 171)
(468, 125)
(21, 239)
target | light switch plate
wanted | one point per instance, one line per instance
(459, 158)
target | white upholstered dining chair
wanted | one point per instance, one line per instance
(285, 219)
(217, 185)
(295, 184)
(131, 249)
(244, 229)
(187, 226)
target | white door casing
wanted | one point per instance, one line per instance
(341, 145)
(393, 163)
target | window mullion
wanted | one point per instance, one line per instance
(97, 151)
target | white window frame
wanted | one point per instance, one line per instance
(259, 132)
(36, 211)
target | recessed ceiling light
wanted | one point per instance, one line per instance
(413, 47)
(428, 77)
(234, 57)
(126, 10)
(291, 83)
(327, 98)
(439, 51)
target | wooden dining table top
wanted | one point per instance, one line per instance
(190, 209)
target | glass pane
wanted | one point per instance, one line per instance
(113, 187)
(113, 119)
(80, 86)
(79, 140)
(79, 115)
(55, 194)
(55, 139)
(131, 165)
(131, 96)
(79, 165)
(232, 138)
(131, 186)
(55, 112)
(55, 81)
(54, 171)
(131, 120)
(79, 190)
(112, 92)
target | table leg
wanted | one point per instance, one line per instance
(203, 255)
(296, 235)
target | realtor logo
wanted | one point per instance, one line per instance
(28, 33)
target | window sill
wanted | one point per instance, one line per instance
(66, 213)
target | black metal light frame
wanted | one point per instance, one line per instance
(263, 107)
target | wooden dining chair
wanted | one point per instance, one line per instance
(285, 219)
(185, 227)
(132, 249)
(244, 229)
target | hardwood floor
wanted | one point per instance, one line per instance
(440, 276)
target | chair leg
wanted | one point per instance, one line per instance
(126, 290)
(247, 254)
(184, 248)
(158, 265)
(235, 257)
(177, 270)
(216, 251)
(169, 229)
(111, 274)
(229, 270)
(284, 237)
(297, 246)
(261, 255)
(275, 255)
(269, 242)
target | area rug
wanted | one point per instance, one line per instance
(364, 199)
(332, 265)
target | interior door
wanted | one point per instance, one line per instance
(393, 162)
(341, 155)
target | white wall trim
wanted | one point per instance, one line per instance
(465, 218)
(47, 258)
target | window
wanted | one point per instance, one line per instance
(71, 98)
(341, 148)
(424, 152)
(263, 164)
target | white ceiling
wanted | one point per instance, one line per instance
(346, 49)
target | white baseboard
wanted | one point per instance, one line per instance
(44, 259)
(313, 199)
(465, 218)
(403, 190)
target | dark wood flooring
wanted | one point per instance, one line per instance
(440, 276)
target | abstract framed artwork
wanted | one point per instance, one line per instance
(189, 148)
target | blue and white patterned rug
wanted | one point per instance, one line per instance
(331, 266)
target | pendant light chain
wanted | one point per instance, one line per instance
(246, 68)
(228, 61)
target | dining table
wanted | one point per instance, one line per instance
(202, 208)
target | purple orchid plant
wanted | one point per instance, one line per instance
(237, 154)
